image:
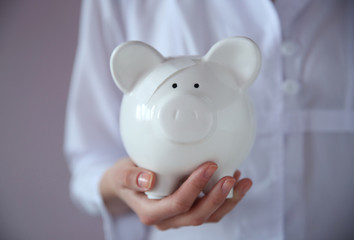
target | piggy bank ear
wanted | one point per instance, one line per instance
(239, 54)
(130, 61)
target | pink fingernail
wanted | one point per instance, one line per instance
(228, 185)
(145, 180)
(210, 171)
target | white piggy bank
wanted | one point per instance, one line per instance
(178, 113)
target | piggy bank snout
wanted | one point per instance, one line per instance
(186, 119)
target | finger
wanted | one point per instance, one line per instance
(201, 211)
(237, 175)
(189, 191)
(128, 175)
(240, 189)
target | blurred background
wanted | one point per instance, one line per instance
(37, 47)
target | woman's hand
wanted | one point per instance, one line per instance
(122, 187)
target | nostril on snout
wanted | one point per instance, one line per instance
(195, 115)
(175, 114)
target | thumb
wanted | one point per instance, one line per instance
(135, 178)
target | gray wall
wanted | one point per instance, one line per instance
(37, 46)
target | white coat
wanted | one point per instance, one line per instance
(302, 163)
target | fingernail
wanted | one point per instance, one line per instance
(145, 180)
(228, 185)
(210, 171)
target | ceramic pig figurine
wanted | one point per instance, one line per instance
(178, 113)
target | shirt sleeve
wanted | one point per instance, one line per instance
(92, 139)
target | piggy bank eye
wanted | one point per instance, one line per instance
(174, 85)
(196, 85)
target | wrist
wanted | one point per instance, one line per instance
(108, 191)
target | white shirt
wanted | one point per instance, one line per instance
(302, 163)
